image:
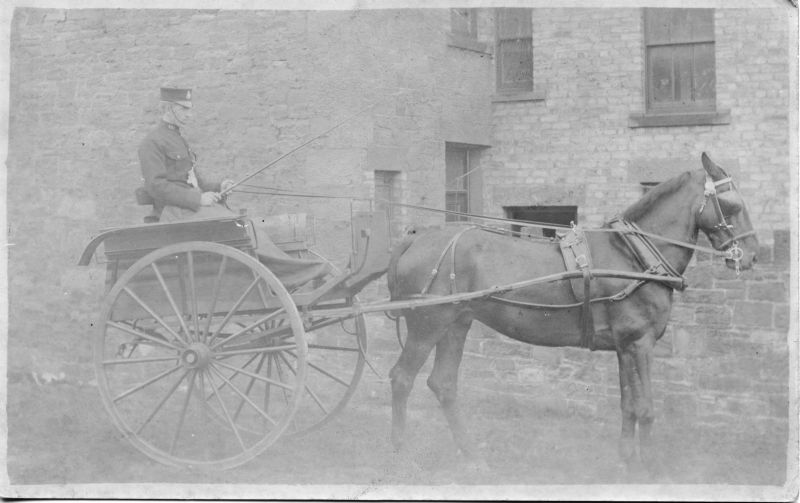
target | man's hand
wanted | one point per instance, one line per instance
(226, 184)
(209, 198)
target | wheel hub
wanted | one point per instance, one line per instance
(196, 356)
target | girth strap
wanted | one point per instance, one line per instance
(575, 250)
(451, 247)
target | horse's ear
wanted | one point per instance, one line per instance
(711, 167)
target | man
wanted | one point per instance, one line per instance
(167, 163)
(180, 191)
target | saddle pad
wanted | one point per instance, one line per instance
(577, 257)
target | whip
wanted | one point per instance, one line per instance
(271, 163)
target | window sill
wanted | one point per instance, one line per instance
(535, 95)
(467, 43)
(714, 118)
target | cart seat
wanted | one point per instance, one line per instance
(143, 198)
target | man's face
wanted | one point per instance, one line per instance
(182, 114)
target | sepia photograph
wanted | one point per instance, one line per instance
(400, 250)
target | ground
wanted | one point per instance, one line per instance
(59, 433)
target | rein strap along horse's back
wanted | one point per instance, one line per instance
(654, 238)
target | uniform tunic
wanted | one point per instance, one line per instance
(167, 167)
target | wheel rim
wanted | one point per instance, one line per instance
(188, 334)
(336, 357)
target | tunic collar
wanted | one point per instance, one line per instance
(170, 126)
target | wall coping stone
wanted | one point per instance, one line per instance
(713, 118)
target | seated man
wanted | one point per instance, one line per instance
(181, 193)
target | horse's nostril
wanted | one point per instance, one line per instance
(755, 259)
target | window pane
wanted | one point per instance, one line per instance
(456, 201)
(455, 168)
(680, 25)
(682, 60)
(705, 80)
(516, 64)
(670, 26)
(513, 23)
(656, 26)
(702, 24)
(660, 74)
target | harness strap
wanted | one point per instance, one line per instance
(575, 250)
(451, 247)
(619, 296)
(587, 334)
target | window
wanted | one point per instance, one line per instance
(514, 51)
(464, 23)
(556, 215)
(680, 73)
(462, 181)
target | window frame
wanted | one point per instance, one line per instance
(525, 36)
(472, 181)
(650, 15)
(706, 113)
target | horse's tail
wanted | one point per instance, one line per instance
(398, 250)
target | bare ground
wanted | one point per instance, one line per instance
(59, 433)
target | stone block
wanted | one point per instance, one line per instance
(781, 249)
(753, 314)
(764, 254)
(772, 291)
(713, 315)
(734, 384)
(680, 406)
(682, 314)
(778, 406)
(782, 316)
(688, 342)
(504, 364)
(702, 296)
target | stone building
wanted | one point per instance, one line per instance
(548, 114)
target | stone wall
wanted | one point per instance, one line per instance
(84, 92)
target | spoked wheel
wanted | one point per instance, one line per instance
(191, 356)
(336, 356)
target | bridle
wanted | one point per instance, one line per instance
(730, 246)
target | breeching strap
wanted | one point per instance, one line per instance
(451, 247)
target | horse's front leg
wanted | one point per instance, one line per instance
(645, 413)
(627, 372)
(635, 363)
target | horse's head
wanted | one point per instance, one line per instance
(723, 218)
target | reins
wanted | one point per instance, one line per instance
(729, 248)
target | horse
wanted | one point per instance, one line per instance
(669, 217)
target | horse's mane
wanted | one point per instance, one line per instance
(643, 205)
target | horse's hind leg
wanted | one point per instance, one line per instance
(443, 381)
(419, 343)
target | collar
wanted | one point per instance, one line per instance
(170, 126)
